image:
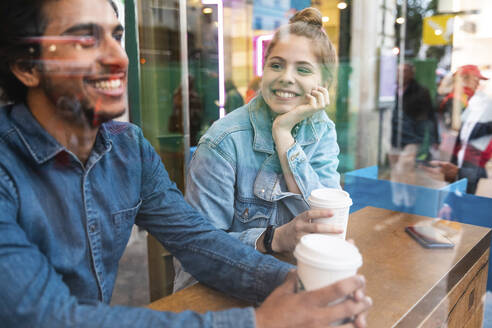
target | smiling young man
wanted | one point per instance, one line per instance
(78, 79)
(73, 183)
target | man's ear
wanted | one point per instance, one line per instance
(27, 73)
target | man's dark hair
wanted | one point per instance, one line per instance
(20, 19)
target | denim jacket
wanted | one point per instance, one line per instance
(235, 177)
(64, 226)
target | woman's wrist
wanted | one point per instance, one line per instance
(281, 128)
(276, 242)
(259, 243)
(282, 136)
(280, 132)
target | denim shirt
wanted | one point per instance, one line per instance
(64, 226)
(235, 177)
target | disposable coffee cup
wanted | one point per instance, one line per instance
(338, 201)
(323, 260)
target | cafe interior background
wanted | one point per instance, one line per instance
(193, 61)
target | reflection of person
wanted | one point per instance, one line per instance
(73, 182)
(473, 147)
(402, 165)
(233, 97)
(419, 125)
(445, 87)
(195, 107)
(269, 155)
(253, 87)
(466, 80)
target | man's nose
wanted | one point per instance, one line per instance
(113, 55)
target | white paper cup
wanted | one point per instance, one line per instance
(338, 201)
(323, 260)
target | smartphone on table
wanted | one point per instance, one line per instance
(429, 236)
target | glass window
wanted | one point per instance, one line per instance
(356, 119)
(409, 100)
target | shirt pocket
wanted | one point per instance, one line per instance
(253, 213)
(123, 221)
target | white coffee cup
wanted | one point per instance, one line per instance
(323, 260)
(338, 201)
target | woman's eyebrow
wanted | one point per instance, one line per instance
(305, 63)
(277, 58)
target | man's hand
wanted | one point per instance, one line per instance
(284, 308)
(287, 236)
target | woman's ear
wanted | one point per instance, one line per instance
(27, 73)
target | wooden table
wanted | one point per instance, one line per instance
(411, 286)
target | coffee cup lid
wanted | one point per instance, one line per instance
(330, 198)
(327, 252)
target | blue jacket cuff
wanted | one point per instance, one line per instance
(238, 318)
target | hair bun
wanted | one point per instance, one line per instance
(309, 15)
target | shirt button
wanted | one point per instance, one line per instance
(293, 157)
(92, 228)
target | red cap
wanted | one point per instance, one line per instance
(472, 70)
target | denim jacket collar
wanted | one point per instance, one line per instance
(40, 144)
(261, 119)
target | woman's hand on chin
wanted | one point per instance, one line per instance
(317, 100)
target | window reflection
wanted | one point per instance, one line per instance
(411, 102)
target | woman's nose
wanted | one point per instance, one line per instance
(287, 76)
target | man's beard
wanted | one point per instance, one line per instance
(76, 110)
(80, 112)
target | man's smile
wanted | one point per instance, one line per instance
(113, 85)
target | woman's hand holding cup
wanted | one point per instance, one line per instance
(288, 235)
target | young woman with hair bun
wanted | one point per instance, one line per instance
(254, 169)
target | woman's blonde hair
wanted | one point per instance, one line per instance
(308, 23)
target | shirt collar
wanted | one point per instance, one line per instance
(41, 145)
(261, 118)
